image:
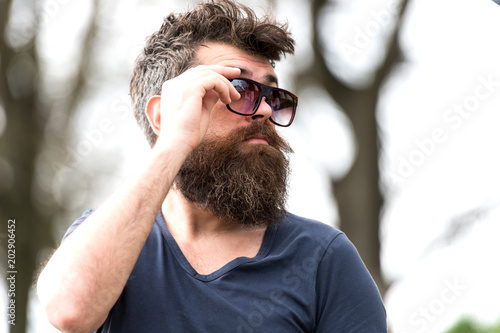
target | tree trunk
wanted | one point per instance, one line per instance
(358, 194)
(20, 146)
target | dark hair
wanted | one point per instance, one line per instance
(170, 50)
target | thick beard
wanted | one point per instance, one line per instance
(239, 182)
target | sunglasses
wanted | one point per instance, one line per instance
(283, 103)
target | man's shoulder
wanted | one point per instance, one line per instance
(294, 228)
(307, 226)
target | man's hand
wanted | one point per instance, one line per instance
(186, 103)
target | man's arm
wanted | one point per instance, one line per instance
(87, 273)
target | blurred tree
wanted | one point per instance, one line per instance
(358, 194)
(28, 112)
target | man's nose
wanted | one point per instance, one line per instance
(264, 110)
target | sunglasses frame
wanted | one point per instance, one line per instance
(265, 91)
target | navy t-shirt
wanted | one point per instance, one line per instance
(307, 277)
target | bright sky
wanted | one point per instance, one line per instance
(439, 119)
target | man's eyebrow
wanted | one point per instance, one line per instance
(269, 78)
(243, 71)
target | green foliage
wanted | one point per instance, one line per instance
(467, 325)
(494, 329)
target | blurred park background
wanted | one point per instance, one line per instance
(395, 138)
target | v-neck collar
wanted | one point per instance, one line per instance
(181, 259)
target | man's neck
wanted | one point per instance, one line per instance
(193, 221)
(207, 242)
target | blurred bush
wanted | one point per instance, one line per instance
(467, 325)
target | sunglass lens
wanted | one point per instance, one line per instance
(249, 93)
(283, 106)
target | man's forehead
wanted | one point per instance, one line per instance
(252, 66)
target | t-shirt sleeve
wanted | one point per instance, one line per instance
(77, 222)
(348, 299)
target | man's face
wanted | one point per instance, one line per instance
(240, 170)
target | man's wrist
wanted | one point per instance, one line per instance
(173, 153)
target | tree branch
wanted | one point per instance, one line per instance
(394, 53)
(319, 69)
(85, 63)
(6, 52)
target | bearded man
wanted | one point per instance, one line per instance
(198, 239)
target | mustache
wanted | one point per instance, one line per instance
(266, 130)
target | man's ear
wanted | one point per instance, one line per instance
(153, 112)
